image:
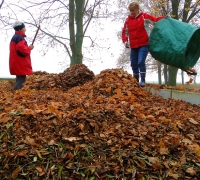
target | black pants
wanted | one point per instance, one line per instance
(19, 81)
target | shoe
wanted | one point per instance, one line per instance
(142, 84)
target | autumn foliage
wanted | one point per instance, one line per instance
(75, 125)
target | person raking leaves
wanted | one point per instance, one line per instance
(19, 57)
(135, 35)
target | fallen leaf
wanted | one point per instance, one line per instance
(72, 139)
(15, 173)
(193, 121)
(191, 171)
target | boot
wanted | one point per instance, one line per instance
(136, 76)
(142, 82)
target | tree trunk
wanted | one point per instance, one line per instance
(175, 6)
(172, 70)
(182, 76)
(79, 33)
(72, 32)
(76, 41)
(159, 73)
(172, 76)
(166, 74)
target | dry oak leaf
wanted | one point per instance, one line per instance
(191, 171)
(189, 82)
(28, 112)
(153, 160)
(164, 151)
(51, 142)
(15, 172)
(40, 170)
(172, 174)
(194, 148)
(23, 153)
(151, 117)
(31, 141)
(71, 139)
(5, 119)
(183, 159)
(186, 141)
(157, 165)
(193, 121)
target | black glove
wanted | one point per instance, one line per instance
(127, 44)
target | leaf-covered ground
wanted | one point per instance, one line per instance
(75, 125)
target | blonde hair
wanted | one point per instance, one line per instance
(134, 5)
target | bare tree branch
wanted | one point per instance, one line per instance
(1, 3)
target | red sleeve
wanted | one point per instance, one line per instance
(124, 33)
(23, 48)
(152, 18)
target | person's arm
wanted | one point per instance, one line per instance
(125, 33)
(152, 18)
(23, 48)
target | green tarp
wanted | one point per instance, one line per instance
(175, 43)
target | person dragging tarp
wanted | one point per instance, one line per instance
(19, 58)
(135, 35)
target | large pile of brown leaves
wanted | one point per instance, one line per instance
(72, 126)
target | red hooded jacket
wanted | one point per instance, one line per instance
(19, 60)
(135, 29)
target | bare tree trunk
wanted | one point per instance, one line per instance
(79, 27)
(172, 76)
(182, 76)
(76, 40)
(195, 79)
(159, 73)
(72, 31)
(165, 74)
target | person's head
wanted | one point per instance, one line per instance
(134, 8)
(19, 26)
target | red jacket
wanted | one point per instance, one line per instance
(19, 60)
(135, 29)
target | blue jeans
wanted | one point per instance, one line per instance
(137, 58)
(19, 81)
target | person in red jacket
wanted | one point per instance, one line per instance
(135, 35)
(19, 59)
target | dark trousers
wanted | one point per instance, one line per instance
(19, 81)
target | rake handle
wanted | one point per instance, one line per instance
(36, 34)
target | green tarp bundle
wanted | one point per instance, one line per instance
(175, 43)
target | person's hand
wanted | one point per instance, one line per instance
(31, 46)
(127, 44)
